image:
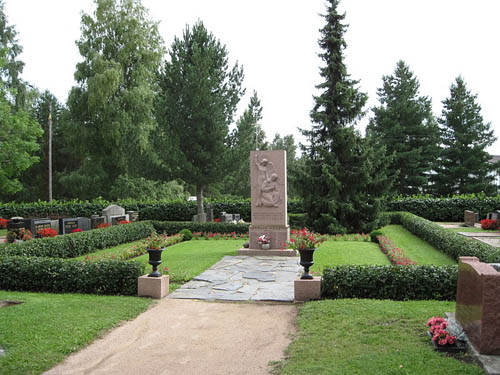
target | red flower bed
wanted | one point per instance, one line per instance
(3, 223)
(488, 224)
(124, 222)
(103, 225)
(76, 230)
(396, 256)
(47, 232)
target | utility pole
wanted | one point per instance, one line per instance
(50, 151)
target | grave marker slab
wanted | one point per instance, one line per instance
(469, 218)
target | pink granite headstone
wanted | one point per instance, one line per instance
(478, 304)
(269, 198)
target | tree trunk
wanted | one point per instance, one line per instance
(199, 199)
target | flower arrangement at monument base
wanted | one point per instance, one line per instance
(445, 337)
(264, 241)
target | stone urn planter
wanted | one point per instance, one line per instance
(306, 261)
(265, 246)
(155, 261)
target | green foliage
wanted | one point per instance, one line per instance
(405, 125)
(39, 274)
(390, 282)
(76, 244)
(247, 136)
(287, 143)
(448, 242)
(464, 164)
(445, 209)
(126, 187)
(186, 234)
(112, 107)
(344, 177)
(199, 95)
(374, 234)
(174, 227)
(297, 221)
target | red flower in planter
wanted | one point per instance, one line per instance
(488, 224)
(103, 225)
(76, 230)
(124, 222)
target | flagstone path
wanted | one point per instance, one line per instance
(244, 278)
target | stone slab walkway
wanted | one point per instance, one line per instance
(244, 278)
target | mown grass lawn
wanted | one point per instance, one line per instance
(349, 336)
(415, 248)
(471, 229)
(3, 232)
(45, 328)
(184, 260)
(334, 253)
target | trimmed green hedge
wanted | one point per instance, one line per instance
(172, 210)
(445, 209)
(76, 244)
(390, 282)
(174, 227)
(69, 276)
(448, 242)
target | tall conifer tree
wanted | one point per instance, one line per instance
(344, 178)
(464, 165)
(404, 123)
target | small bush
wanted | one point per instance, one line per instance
(173, 227)
(53, 275)
(390, 282)
(297, 221)
(186, 234)
(488, 224)
(374, 234)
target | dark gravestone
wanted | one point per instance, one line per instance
(469, 218)
(84, 223)
(133, 216)
(116, 219)
(39, 224)
(68, 225)
(96, 220)
(15, 224)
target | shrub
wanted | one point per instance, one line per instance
(448, 242)
(70, 246)
(374, 234)
(173, 227)
(46, 232)
(389, 282)
(297, 221)
(53, 275)
(186, 234)
(488, 224)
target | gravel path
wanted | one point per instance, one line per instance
(190, 337)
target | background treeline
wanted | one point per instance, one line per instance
(144, 121)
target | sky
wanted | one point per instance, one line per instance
(277, 44)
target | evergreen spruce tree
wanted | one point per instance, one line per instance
(404, 123)
(464, 165)
(344, 178)
(247, 136)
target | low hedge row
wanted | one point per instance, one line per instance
(446, 241)
(172, 210)
(53, 275)
(445, 209)
(390, 282)
(76, 244)
(173, 227)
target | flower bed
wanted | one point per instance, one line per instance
(395, 255)
(219, 236)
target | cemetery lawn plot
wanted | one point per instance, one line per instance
(188, 259)
(475, 230)
(334, 253)
(45, 328)
(350, 336)
(415, 248)
(3, 232)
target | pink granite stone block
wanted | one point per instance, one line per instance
(155, 287)
(307, 290)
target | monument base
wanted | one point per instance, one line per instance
(268, 253)
(155, 287)
(307, 289)
(279, 235)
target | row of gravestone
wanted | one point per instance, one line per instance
(223, 217)
(471, 218)
(112, 214)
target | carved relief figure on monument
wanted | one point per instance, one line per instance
(268, 193)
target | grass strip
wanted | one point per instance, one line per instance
(369, 337)
(45, 328)
(415, 248)
(336, 253)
